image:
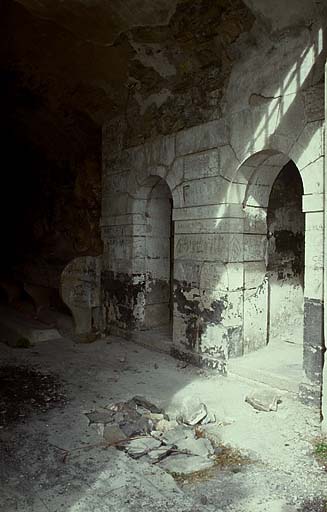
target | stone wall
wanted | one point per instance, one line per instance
(220, 175)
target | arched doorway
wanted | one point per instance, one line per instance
(159, 241)
(274, 247)
(285, 257)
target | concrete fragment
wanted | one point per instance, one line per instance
(263, 401)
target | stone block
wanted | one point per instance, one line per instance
(200, 138)
(229, 164)
(310, 394)
(314, 221)
(254, 274)
(236, 193)
(158, 268)
(258, 196)
(221, 277)
(314, 103)
(157, 291)
(201, 165)
(254, 247)
(313, 362)
(313, 323)
(211, 247)
(175, 175)
(309, 146)
(209, 226)
(117, 182)
(255, 220)
(80, 290)
(232, 316)
(187, 271)
(313, 177)
(160, 151)
(156, 315)
(216, 211)
(255, 318)
(210, 190)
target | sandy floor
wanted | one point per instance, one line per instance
(282, 477)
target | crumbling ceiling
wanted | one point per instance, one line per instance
(68, 66)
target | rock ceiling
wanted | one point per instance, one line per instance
(67, 66)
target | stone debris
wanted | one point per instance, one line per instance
(193, 412)
(182, 464)
(263, 401)
(113, 434)
(166, 425)
(140, 401)
(143, 430)
(160, 453)
(201, 446)
(136, 448)
(99, 417)
(209, 418)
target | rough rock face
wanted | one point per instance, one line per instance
(69, 68)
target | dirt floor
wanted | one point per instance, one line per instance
(52, 459)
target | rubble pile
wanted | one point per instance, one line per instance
(144, 431)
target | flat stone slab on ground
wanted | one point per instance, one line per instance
(159, 453)
(178, 434)
(113, 434)
(263, 401)
(100, 417)
(185, 464)
(139, 447)
(201, 447)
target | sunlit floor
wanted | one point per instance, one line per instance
(283, 475)
(279, 364)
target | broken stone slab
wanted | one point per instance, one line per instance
(159, 454)
(263, 401)
(209, 418)
(100, 417)
(113, 434)
(212, 432)
(182, 464)
(143, 403)
(178, 434)
(166, 425)
(192, 412)
(138, 447)
(132, 427)
(201, 447)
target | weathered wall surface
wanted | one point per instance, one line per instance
(220, 175)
